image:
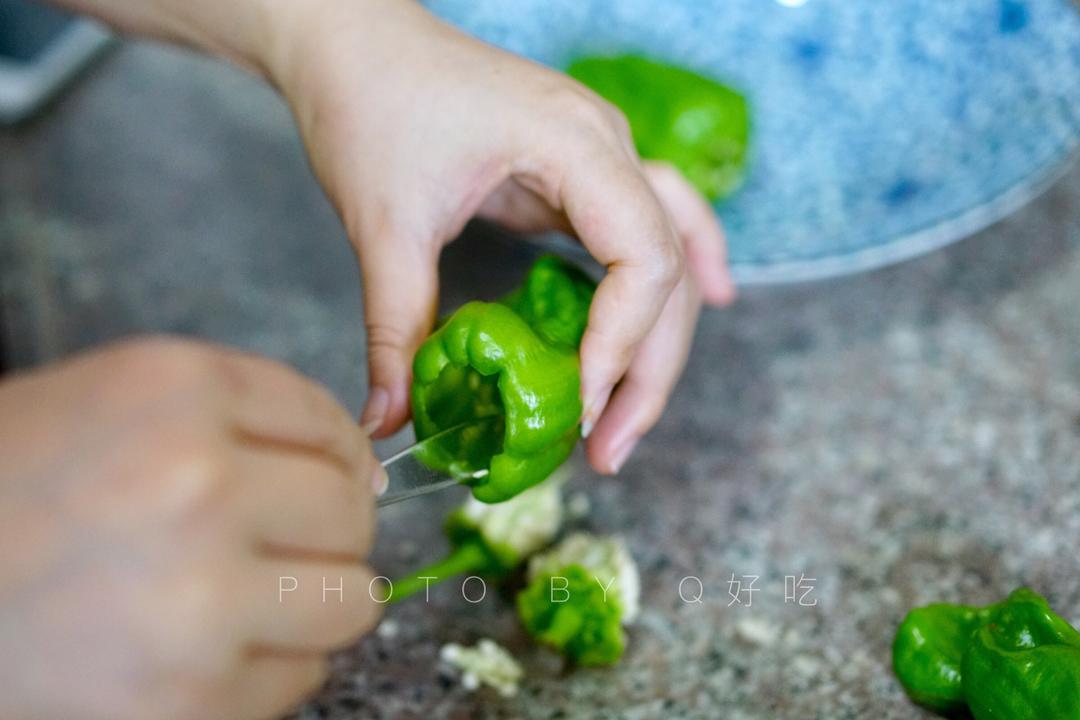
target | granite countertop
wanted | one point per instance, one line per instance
(904, 436)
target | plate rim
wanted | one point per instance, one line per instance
(913, 244)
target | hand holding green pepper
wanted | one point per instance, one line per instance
(496, 136)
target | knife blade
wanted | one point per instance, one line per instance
(410, 477)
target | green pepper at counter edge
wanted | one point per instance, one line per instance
(696, 124)
(928, 649)
(1023, 663)
(517, 360)
(1012, 660)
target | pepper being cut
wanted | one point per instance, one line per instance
(515, 360)
(696, 124)
(1013, 660)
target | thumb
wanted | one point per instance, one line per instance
(401, 283)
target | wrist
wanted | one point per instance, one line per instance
(242, 32)
(300, 37)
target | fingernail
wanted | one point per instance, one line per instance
(622, 453)
(375, 410)
(594, 408)
(586, 427)
(380, 480)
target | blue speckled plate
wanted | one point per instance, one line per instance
(883, 129)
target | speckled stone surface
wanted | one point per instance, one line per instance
(903, 436)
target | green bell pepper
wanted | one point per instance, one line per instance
(696, 124)
(515, 361)
(581, 593)
(928, 650)
(585, 627)
(1013, 660)
(1023, 663)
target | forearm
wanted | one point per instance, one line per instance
(271, 38)
(239, 30)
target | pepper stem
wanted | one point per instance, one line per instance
(465, 557)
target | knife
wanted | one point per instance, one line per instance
(410, 477)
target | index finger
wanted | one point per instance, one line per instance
(271, 403)
(621, 222)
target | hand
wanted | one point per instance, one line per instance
(152, 497)
(413, 128)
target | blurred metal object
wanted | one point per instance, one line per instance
(410, 476)
(41, 51)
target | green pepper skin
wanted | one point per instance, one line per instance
(1023, 663)
(696, 124)
(1013, 660)
(928, 650)
(583, 624)
(516, 360)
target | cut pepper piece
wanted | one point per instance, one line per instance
(697, 124)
